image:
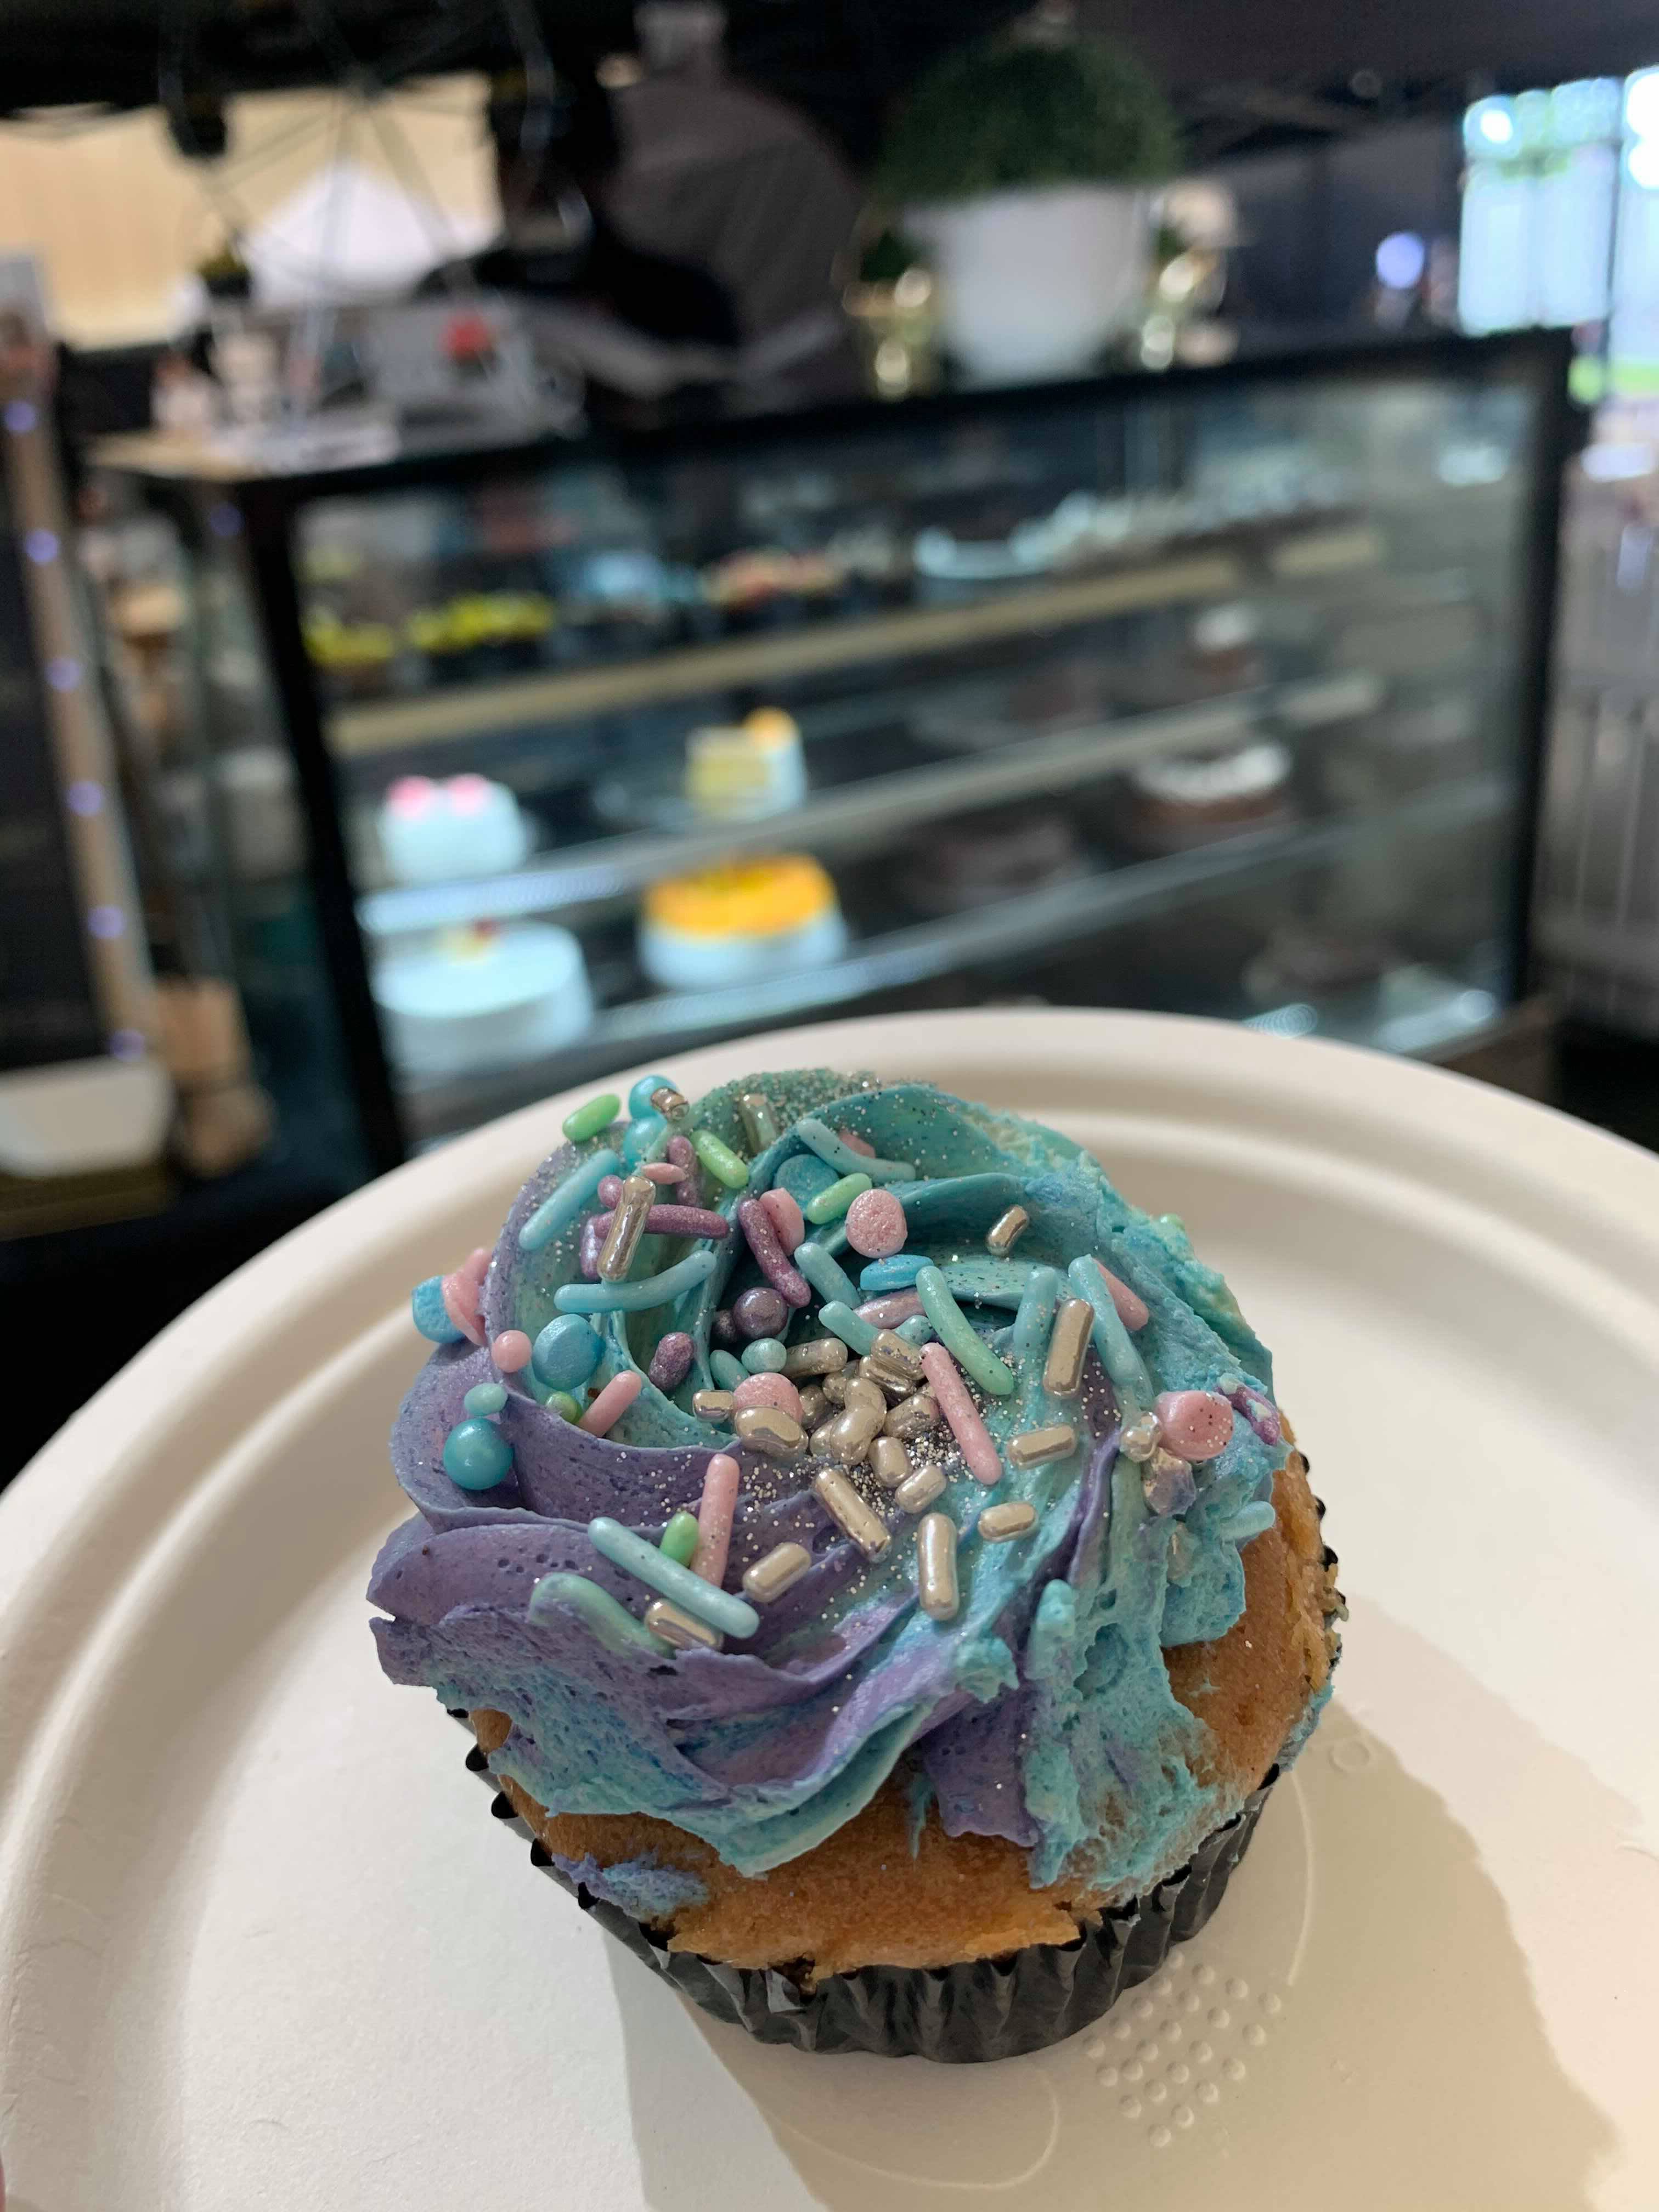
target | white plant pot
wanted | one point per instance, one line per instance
(1034, 282)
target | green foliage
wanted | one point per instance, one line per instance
(995, 116)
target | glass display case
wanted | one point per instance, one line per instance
(1217, 691)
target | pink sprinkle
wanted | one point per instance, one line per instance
(770, 1258)
(715, 1515)
(786, 1217)
(1196, 1424)
(889, 1311)
(654, 1172)
(1132, 1311)
(681, 1154)
(856, 1143)
(670, 1221)
(981, 1455)
(767, 1390)
(612, 1402)
(587, 1253)
(610, 1190)
(511, 1351)
(463, 1291)
(876, 1224)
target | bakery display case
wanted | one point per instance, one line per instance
(1216, 691)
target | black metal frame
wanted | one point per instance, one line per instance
(268, 507)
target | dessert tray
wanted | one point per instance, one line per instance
(261, 1944)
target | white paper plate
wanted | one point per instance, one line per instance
(261, 1945)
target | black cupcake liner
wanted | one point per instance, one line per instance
(963, 2015)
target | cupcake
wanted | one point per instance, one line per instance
(866, 1554)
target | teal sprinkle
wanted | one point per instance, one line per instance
(898, 1273)
(430, 1313)
(638, 1296)
(679, 1538)
(727, 1369)
(1118, 1356)
(485, 1398)
(960, 1338)
(566, 1351)
(731, 1616)
(639, 1096)
(588, 1121)
(827, 1278)
(841, 1321)
(611, 1621)
(917, 1330)
(573, 1196)
(764, 1356)
(818, 1137)
(722, 1163)
(1249, 1521)
(645, 1136)
(830, 1204)
(476, 1456)
(804, 1174)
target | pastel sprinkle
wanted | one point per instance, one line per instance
(1195, 1424)
(825, 1274)
(1123, 1363)
(978, 1454)
(785, 1215)
(511, 1351)
(917, 1330)
(727, 1370)
(764, 1356)
(959, 1337)
(785, 1275)
(857, 1335)
(670, 1363)
(612, 1402)
(898, 1273)
(679, 1538)
(775, 1390)
(566, 1352)
(760, 1312)
(643, 1139)
(462, 1292)
(889, 1311)
(639, 1096)
(830, 1204)
(638, 1295)
(609, 1620)
(485, 1398)
(477, 1456)
(561, 1403)
(854, 1143)
(588, 1120)
(717, 1156)
(1250, 1521)
(731, 1616)
(430, 1314)
(876, 1226)
(675, 1221)
(716, 1513)
(847, 1159)
(678, 1153)
(1132, 1309)
(573, 1196)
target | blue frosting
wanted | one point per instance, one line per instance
(1041, 1713)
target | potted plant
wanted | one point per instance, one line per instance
(1023, 169)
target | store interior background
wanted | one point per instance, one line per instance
(1208, 675)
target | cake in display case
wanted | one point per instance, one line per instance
(1217, 691)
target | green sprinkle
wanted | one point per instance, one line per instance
(841, 1321)
(960, 1338)
(679, 1538)
(1118, 1356)
(765, 1356)
(612, 1624)
(819, 1137)
(561, 1403)
(722, 1163)
(726, 1370)
(640, 1296)
(485, 1398)
(559, 1209)
(830, 1204)
(731, 1616)
(587, 1121)
(827, 1278)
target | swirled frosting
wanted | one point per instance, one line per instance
(1042, 1712)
